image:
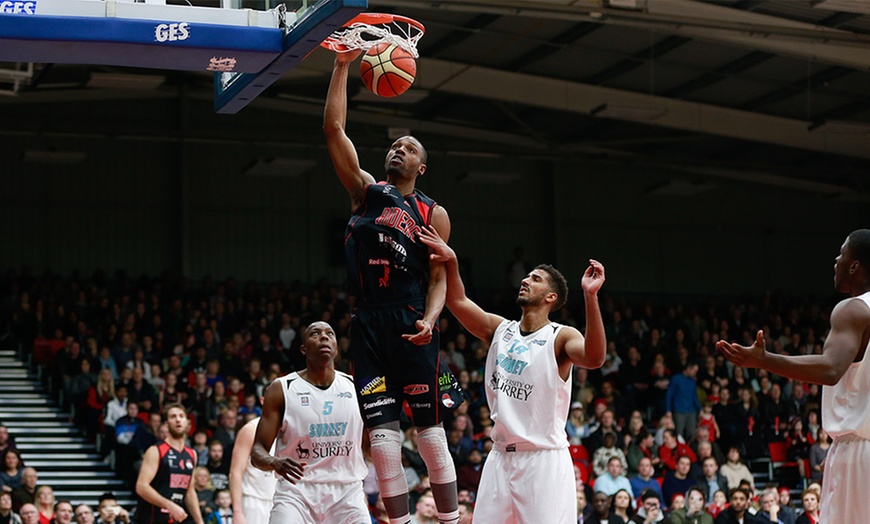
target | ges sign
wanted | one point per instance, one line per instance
(18, 7)
(172, 32)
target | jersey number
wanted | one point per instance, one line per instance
(327, 407)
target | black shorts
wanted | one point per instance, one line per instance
(389, 370)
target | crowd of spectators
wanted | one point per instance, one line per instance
(664, 414)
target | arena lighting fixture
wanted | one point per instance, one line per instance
(279, 167)
(839, 127)
(47, 156)
(849, 6)
(487, 177)
(640, 114)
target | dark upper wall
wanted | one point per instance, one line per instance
(145, 204)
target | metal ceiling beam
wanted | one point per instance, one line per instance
(572, 97)
(691, 19)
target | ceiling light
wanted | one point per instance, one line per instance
(641, 114)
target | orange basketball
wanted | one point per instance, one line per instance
(388, 70)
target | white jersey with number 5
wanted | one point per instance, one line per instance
(528, 399)
(323, 428)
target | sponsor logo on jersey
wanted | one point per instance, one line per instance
(517, 348)
(416, 389)
(447, 401)
(446, 381)
(173, 32)
(345, 394)
(376, 385)
(373, 415)
(379, 262)
(539, 342)
(511, 365)
(511, 388)
(507, 336)
(385, 401)
(179, 480)
(327, 429)
(331, 449)
(18, 7)
(421, 405)
(398, 218)
(388, 241)
(301, 452)
(305, 401)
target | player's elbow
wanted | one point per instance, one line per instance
(596, 362)
(830, 376)
(332, 127)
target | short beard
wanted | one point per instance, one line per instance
(175, 435)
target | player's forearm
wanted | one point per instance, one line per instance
(152, 496)
(335, 113)
(596, 341)
(192, 503)
(435, 298)
(261, 459)
(816, 369)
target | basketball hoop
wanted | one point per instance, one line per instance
(369, 29)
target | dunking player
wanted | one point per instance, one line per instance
(250, 488)
(164, 485)
(394, 343)
(315, 417)
(528, 476)
(844, 370)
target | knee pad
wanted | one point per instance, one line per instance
(432, 444)
(387, 458)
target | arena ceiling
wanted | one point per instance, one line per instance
(774, 92)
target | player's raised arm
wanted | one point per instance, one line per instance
(588, 351)
(267, 431)
(848, 336)
(341, 149)
(477, 321)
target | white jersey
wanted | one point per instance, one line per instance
(846, 405)
(528, 399)
(323, 428)
(256, 482)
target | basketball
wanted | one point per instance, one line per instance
(388, 70)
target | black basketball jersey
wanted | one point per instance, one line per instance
(386, 262)
(172, 480)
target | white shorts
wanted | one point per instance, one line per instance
(318, 503)
(256, 510)
(845, 489)
(525, 487)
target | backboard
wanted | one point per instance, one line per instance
(255, 45)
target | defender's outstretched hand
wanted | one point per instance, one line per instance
(751, 357)
(441, 252)
(593, 278)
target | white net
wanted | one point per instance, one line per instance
(364, 36)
